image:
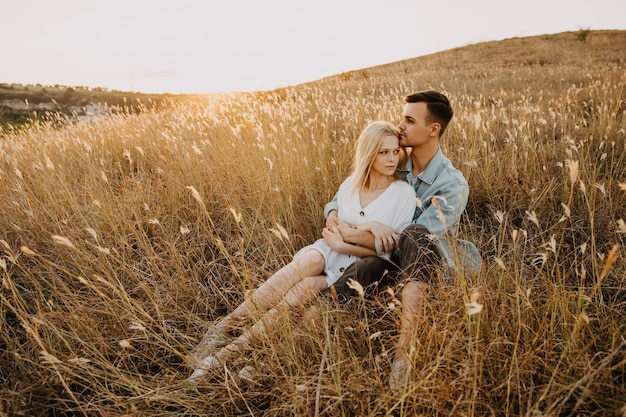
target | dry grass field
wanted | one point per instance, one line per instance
(123, 237)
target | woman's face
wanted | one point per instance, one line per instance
(388, 156)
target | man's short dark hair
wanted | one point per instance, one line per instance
(438, 106)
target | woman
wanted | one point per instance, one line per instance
(371, 193)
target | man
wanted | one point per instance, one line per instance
(422, 248)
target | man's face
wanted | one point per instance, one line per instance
(413, 127)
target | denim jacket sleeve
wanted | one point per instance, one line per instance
(331, 205)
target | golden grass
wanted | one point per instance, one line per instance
(122, 238)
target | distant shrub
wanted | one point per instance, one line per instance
(583, 34)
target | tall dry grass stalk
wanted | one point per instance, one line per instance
(123, 238)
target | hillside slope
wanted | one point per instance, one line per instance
(463, 69)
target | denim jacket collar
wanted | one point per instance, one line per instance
(429, 174)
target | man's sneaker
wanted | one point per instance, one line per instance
(399, 374)
(214, 339)
(210, 362)
(248, 374)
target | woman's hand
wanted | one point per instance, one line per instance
(349, 233)
(332, 237)
(343, 227)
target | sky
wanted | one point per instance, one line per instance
(209, 46)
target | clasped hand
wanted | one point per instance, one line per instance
(385, 238)
(333, 238)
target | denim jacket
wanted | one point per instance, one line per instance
(441, 192)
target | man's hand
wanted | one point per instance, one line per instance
(333, 219)
(386, 238)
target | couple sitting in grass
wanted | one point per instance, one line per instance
(394, 213)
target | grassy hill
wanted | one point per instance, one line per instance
(123, 239)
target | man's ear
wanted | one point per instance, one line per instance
(435, 128)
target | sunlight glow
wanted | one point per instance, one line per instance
(189, 46)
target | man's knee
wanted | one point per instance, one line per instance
(419, 254)
(415, 234)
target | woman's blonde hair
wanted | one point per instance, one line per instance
(366, 149)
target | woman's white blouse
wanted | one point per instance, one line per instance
(394, 207)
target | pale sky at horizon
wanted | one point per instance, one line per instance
(193, 46)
